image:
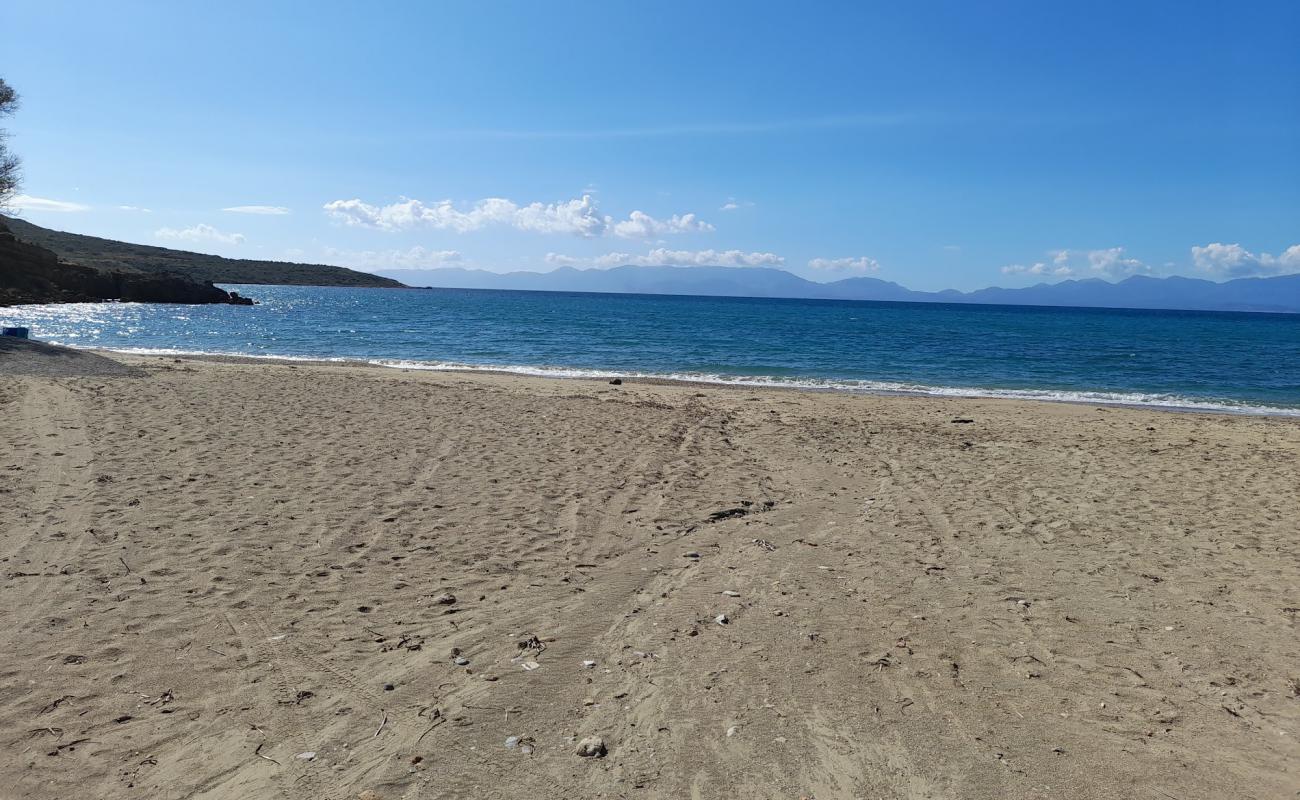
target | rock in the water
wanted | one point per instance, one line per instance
(591, 747)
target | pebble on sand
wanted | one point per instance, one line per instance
(591, 747)
(445, 599)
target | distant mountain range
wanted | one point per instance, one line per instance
(1278, 294)
(113, 256)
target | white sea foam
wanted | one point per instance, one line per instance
(1149, 400)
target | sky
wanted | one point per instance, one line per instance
(939, 145)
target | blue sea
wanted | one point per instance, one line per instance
(1182, 359)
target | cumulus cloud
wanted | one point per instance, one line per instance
(640, 225)
(199, 233)
(25, 202)
(273, 211)
(662, 257)
(413, 258)
(1235, 261)
(1112, 261)
(860, 265)
(578, 217)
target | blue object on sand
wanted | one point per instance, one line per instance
(21, 333)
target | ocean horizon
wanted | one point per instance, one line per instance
(1195, 360)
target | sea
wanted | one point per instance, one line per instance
(1192, 360)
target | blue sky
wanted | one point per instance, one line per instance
(937, 145)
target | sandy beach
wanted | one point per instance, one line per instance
(238, 579)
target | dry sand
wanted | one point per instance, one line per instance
(211, 569)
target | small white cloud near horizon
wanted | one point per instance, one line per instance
(271, 211)
(1109, 261)
(662, 257)
(1038, 268)
(136, 209)
(414, 258)
(579, 217)
(1112, 261)
(1235, 261)
(25, 202)
(200, 233)
(862, 265)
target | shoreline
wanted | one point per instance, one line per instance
(740, 383)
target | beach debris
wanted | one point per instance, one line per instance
(258, 753)
(732, 731)
(445, 599)
(962, 421)
(691, 554)
(616, 382)
(730, 593)
(765, 544)
(591, 747)
(523, 743)
(588, 663)
(727, 513)
(460, 661)
(721, 619)
(529, 666)
(310, 755)
(530, 643)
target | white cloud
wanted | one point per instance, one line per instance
(1058, 269)
(662, 257)
(733, 204)
(1235, 261)
(274, 211)
(25, 202)
(1112, 261)
(579, 217)
(135, 208)
(574, 216)
(414, 258)
(860, 265)
(199, 233)
(640, 225)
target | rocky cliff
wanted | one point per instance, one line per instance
(31, 274)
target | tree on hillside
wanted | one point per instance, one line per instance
(8, 161)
